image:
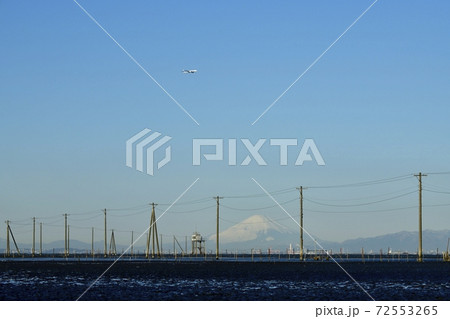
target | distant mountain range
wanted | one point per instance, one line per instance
(402, 241)
(261, 232)
(58, 246)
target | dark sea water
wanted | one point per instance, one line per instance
(52, 280)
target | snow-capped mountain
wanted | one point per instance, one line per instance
(257, 232)
(253, 228)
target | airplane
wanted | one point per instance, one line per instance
(189, 71)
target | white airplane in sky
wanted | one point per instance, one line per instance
(189, 71)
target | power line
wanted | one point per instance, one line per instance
(368, 183)
(431, 191)
(363, 198)
(131, 214)
(259, 208)
(253, 223)
(193, 210)
(361, 212)
(88, 218)
(439, 187)
(361, 204)
(438, 173)
(376, 210)
(193, 202)
(279, 192)
(128, 208)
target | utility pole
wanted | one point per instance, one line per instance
(301, 222)
(155, 233)
(217, 226)
(8, 247)
(174, 252)
(420, 256)
(8, 232)
(92, 243)
(112, 244)
(147, 247)
(40, 239)
(106, 240)
(152, 235)
(65, 235)
(68, 240)
(132, 242)
(34, 237)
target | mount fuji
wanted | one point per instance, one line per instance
(260, 232)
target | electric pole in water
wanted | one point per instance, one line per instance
(40, 239)
(9, 232)
(152, 235)
(65, 235)
(8, 247)
(301, 222)
(217, 198)
(420, 256)
(68, 240)
(92, 242)
(132, 242)
(34, 237)
(106, 240)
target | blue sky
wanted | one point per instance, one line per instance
(376, 105)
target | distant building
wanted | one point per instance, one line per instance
(198, 244)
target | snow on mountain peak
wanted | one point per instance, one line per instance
(250, 229)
